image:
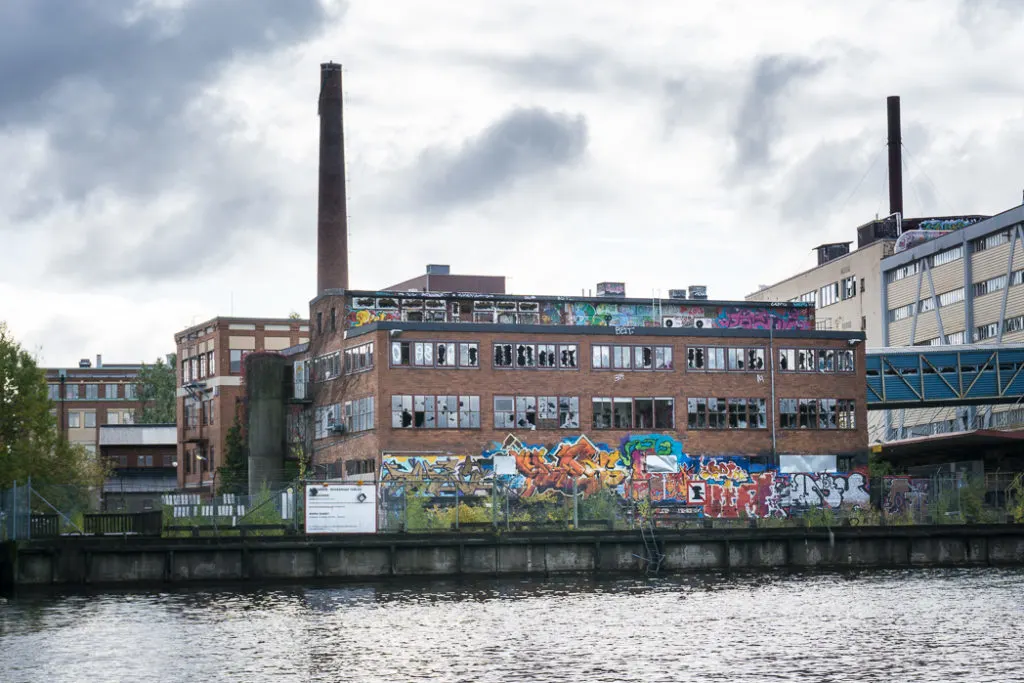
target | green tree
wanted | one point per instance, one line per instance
(155, 389)
(30, 444)
(233, 475)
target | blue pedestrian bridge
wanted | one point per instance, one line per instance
(934, 376)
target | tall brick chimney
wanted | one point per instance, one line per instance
(332, 215)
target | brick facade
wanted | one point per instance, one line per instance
(383, 381)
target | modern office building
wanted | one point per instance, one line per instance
(961, 287)
(89, 396)
(210, 379)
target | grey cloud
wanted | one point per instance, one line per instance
(523, 143)
(757, 123)
(114, 86)
(831, 175)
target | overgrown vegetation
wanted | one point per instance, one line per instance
(155, 388)
(233, 475)
(30, 443)
(262, 509)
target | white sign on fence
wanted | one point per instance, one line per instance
(341, 509)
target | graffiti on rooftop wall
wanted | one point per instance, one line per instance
(931, 229)
(643, 467)
(586, 313)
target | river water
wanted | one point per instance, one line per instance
(948, 625)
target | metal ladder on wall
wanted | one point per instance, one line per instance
(653, 554)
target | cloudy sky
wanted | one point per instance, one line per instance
(158, 157)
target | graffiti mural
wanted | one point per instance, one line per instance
(651, 468)
(902, 495)
(438, 475)
(364, 310)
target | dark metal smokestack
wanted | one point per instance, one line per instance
(895, 156)
(332, 215)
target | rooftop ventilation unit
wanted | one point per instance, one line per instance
(698, 292)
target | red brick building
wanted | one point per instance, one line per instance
(210, 386)
(408, 372)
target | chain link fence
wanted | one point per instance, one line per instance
(504, 504)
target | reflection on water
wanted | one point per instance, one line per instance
(962, 625)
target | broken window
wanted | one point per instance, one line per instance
(401, 412)
(602, 413)
(696, 413)
(788, 413)
(695, 358)
(643, 357)
(643, 413)
(757, 414)
(546, 357)
(446, 354)
(526, 412)
(827, 413)
(664, 413)
(755, 359)
(738, 413)
(547, 412)
(503, 355)
(469, 355)
(423, 412)
(717, 413)
(567, 356)
(737, 359)
(448, 412)
(602, 356)
(808, 413)
(526, 355)
(787, 359)
(805, 360)
(826, 360)
(504, 412)
(622, 417)
(846, 360)
(469, 412)
(569, 412)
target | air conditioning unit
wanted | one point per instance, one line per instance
(337, 428)
(672, 321)
(704, 323)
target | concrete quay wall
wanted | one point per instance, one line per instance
(128, 561)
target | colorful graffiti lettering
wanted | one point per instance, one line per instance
(645, 467)
(439, 475)
(356, 318)
(613, 315)
(760, 319)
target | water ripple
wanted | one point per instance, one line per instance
(963, 625)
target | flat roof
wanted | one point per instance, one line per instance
(856, 252)
(728, 332)
(244, 321)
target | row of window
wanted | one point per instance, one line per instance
(604, 357)
(92, 392)
(949, 255)
(623, 413)
(143, 461)
(949, 298)
(953, 338)
(359, 358)
(991, 330)
(435, 354)
(835, 292)
(351, 416)
(998, 283)
(197, 413)
(199, 366)
(87, 418)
